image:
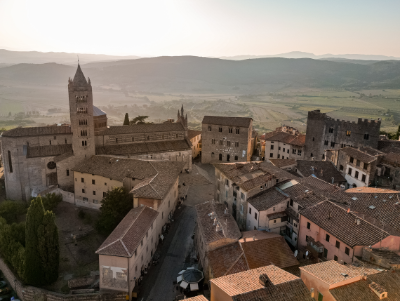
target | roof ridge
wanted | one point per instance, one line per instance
(235, 262)
(126, 249)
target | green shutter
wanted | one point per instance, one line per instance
(320, 296)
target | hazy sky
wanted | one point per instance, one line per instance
(201, 27)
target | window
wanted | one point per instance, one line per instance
(287, 151)
(350, 171)
(348, 133)
(236, 144)
(325, 253)
(242, 195)
(356, 174)
(65, 140)
(272, 147)
(83, 190)
(299, 152)
(366, 136)
(228, 143)
(67, 172)
(50, 142)
(341, 168)
(313, 138)
(294, 151)
(311, 155)
(284, 150)
(10, 167)
(82, 180)
(220, 157)
(95, 201)
(320, 296)
(93, 182)
(271, 155)
(162, 215)
(255, 215)
(141, 242)
(338, 244)
(279, 156)
(85, 199)
(332, 144)
(351, 160)
(237, 131)
(358, 162)
(230, 130)
(347, 250)
(335, 258)
(283, 157)
(308, 225)
(209, 128)
(364, 178)
(212, 141)
(279, 148)
(104, 194)
(291, 203)
(94, 192)
(273, 209)
(331, 130)
(220, 129)
(236, 158)
(327, 237)
(326, 142)
(365, 166)
(221, 142)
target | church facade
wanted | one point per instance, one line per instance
(38, 158)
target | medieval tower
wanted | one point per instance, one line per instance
(81, 116)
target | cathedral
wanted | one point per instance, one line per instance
(38, 158)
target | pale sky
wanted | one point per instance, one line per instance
(201, 27)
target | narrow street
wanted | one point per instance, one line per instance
(158, 283)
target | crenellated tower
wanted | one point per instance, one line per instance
(81, 115)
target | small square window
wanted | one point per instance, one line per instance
(93, 182)
(255, 215)
(332, 144)
(220, 129)
(366, 136)
(209, 128)
(348, 133)
(83, 190)
(341, 168)
(347, 251)
(338, 244)
(272, 147)
(271, 155)
(94, 192)
(327, 237)
(364, 178)
(335, 258)
(249, 210)
(82, 180)
(104, 194)
(350, 171)
(237, 131)
(308, 225)
(356, 174)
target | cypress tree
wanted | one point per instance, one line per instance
(34, 271)
(49, 247)
(126, 120)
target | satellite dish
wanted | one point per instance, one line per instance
(307, 253)
(295, 253)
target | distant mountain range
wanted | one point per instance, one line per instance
(189, 74)
(36, 57)
(299, 54)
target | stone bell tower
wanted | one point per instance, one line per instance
(81, 115)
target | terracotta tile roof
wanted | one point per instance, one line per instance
(342, 225)
(294, 290)
(267, 199)
(268, 251)
(301, 194)
(298, 140)
(143, 148)
(283, 162)
(328, 190)
(38, 131)
(392, 257)
(331, 271)
(248, 281)
(126, 237)
(143, 128)
(193, 133)
(228, 121)
(363, 156)
(156, 176)
(323, 170)
(197, 298)
(48, 150)
(225, 222)
(227, 260)
(63, 156)
(256, 235)
(361, 291)
(369, 190)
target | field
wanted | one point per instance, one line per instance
(268, 110)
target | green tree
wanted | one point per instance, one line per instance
(139, 120)
(115, 205)
(49, 247)
(398, 133)
(11, 210)
(51, 200)
(126, 120)
(34, 270)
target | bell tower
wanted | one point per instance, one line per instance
(81, 115)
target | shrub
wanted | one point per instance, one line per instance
(51, 200)
(11, 210)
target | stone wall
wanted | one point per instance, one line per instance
(215, 144)
(30, 293)
(321, 128)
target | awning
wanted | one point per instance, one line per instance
(194, 287)
(179, 279)
(184, 284)
(181, 272)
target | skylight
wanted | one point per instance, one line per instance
(372, 207)
(354, 198)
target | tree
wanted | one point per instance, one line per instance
(115, 205)
(11, 210)
(48, 246)
(34, 270)
(126, 120)
(139, 120)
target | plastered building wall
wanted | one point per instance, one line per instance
(321, 128)
(280, 150)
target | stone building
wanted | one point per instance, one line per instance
(227, 139)
(195, 139)
(324, 132)
(37, 158)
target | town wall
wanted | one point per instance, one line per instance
(321, 128)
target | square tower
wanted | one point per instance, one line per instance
(81, 115)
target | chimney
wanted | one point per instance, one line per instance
(265, 281)
(215, 222)
(312, 292)
(358, 221)
(378, 290)
(218, 228)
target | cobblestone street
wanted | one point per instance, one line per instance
(158, 283)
